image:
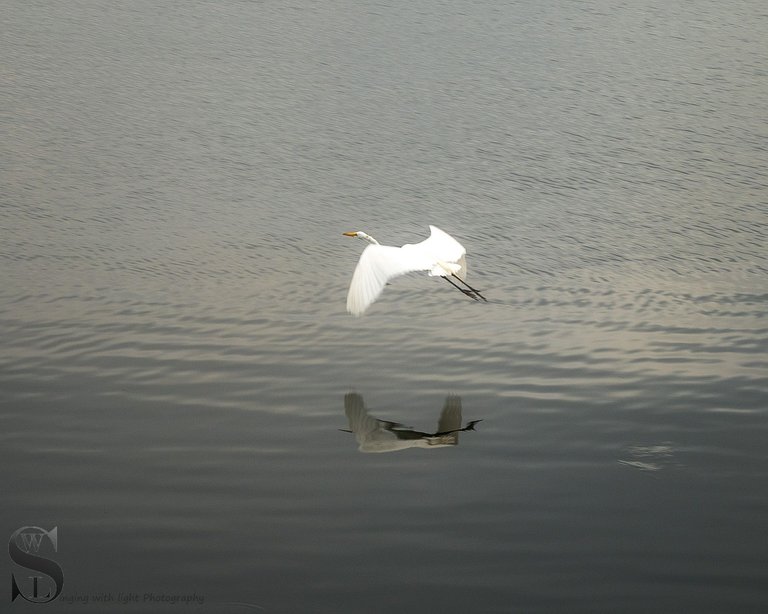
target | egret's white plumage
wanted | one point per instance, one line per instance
(440, 254)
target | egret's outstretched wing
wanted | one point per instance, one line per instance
(377, 265)
(440, 249)
(442, 245)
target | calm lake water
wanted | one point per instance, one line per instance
(178, 370)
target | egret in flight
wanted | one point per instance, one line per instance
(440, 255)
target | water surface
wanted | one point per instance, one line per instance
(176, 354)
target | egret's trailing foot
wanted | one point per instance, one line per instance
(469, 290)
(470, 293)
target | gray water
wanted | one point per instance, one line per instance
(178, 370)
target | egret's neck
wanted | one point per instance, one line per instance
(370, 239)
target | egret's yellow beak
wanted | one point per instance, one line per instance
(349, 234)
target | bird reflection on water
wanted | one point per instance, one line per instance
(376, 435)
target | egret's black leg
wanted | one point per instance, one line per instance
(476, 292)
(470, 293)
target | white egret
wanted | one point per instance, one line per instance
(440, 255)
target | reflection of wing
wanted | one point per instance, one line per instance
(449, 425)
(359, 421)
(450, 417)
(373, 435)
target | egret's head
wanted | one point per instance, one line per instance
(361, 235)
